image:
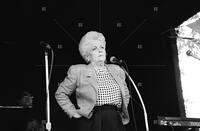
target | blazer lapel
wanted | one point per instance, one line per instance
(90, 74)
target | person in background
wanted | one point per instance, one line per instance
(101, 91)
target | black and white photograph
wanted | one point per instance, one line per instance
(97, 65)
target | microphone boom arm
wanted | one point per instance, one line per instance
(143, 106)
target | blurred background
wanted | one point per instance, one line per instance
(140, 32)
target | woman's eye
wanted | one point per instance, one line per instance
(94, 48)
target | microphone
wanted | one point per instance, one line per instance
(189, 53)
(45, 45)
(113, 59)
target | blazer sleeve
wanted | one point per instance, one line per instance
(65, 89)
(127, 94)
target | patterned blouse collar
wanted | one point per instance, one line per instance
(99, 69)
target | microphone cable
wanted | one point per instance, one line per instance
(51, 64)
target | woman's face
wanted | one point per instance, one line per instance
(97, 52)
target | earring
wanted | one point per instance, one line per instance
(88, 60)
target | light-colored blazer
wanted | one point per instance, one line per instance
(82, 79)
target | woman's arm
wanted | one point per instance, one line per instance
(65, 89)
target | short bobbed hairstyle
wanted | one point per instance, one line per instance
(87, 41)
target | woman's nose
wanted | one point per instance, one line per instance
(100, 50)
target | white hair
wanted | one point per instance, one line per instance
(86, 43)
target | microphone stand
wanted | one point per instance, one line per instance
(143, 106)
(48, 123)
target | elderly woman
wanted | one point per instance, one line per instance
(101, 91)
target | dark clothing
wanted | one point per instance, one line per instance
(105, 118)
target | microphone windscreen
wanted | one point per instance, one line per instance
(188, 53)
